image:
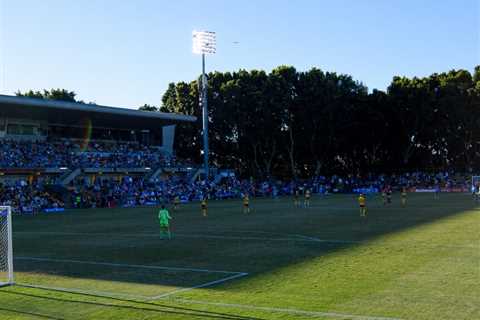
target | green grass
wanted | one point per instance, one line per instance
(325, 262)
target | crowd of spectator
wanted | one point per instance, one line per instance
(28, 197)
(33, 196)
(418, 180)
(131, 191)
(136, 191)
(57, 154)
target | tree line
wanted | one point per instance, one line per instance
(53, 94)
(293, 124)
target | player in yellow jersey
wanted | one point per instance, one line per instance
(384, 196)
(436, 194)
(296, 195)
(176, 203)
(362, 201)
(306, 201)
(403, 196)
(246, 202)
(204, 207)
(389, 195)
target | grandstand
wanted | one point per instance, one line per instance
(49, 146)
(31, 119)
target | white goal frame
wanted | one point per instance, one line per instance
(9, 248)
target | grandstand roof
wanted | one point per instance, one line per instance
(71, 113)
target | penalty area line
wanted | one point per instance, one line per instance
(232, 275)
(125, 265)
(203, 285)
(324, 314)
(294, 238)
(105, 294)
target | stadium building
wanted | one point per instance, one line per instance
(63, 141)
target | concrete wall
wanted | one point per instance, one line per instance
(38, 128)
(3, 127)
(168, 137)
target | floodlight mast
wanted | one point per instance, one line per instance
(204, 42)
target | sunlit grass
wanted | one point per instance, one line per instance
(419, 262)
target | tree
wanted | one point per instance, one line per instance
(183, 98)
(296, 124)
(293, 124)
(53, 94)
(147, 107)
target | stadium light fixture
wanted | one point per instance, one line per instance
(204, 42)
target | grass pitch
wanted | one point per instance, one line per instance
(279, 262)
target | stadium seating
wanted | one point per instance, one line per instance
(30, 195)
(25, 154)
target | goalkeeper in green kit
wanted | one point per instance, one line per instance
(164, 219)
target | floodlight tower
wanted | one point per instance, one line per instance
(204, 42)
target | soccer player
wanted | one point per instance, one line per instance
(384, 195)
(246, 201)
(389, 195)
(436, 194)
(176, 203)
(164, 219)
(362, 201)
(404, 197)
(296, 195)
(204, 206)
(306, 201)
(476, 193)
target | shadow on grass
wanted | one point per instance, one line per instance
(275, 235)
(147, 307)
(31, 314)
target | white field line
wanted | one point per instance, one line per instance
(295, 238)
(287, 310)
(195, 236)
(233, 275)
(394, 245)
(219, 304)
(283, 234)
(203, 285)
(106, 294)
(126, 265)
(203, 236)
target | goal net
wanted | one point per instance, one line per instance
(6, 248)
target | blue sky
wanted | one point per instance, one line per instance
(124, 53)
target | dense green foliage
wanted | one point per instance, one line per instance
(147, 107)
(53, 94)
(419, 262)
(293, 123)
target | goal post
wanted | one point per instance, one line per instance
(6, 246)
